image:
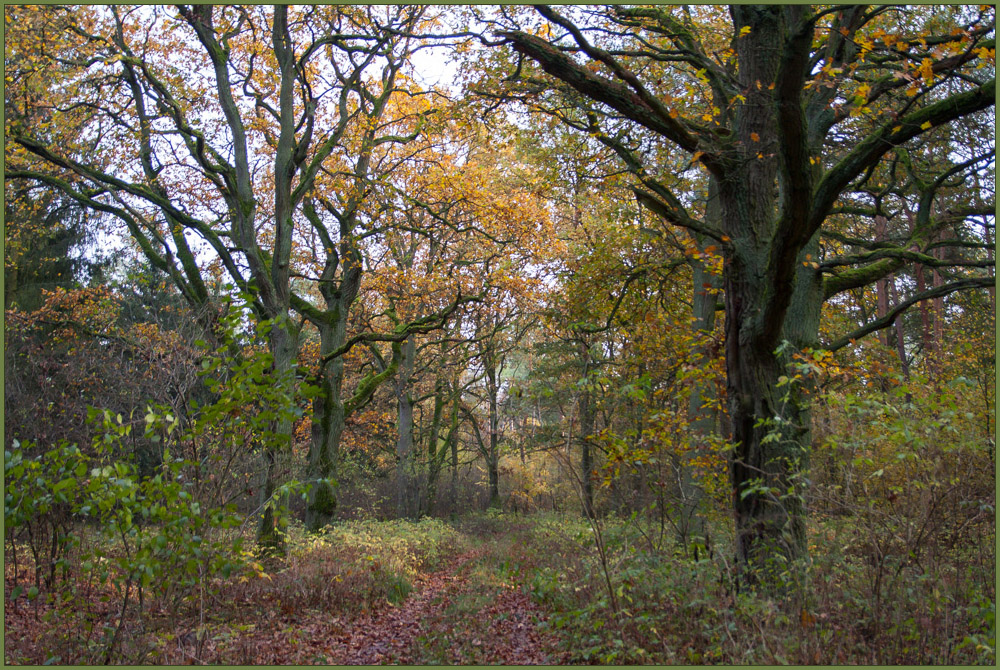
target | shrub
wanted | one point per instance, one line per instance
(153, 539)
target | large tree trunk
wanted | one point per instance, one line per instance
(493, 448)
(453, 493)
(771, 428)
(767, 320)
(898, 326)
(330, 411)
(937, 333)
(882, 285)
(434, 447)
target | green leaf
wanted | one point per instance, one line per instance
(59, 486)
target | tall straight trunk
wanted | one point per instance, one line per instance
(989, 255)
(900, 342)
(937, 334)
(493, 449)
(989, 248)
(283, 345)
(882, 308)
(327, 428)
(453, 493)
(898, 325)
(438, 446)
(587, 420)
(406, 465)
(926, 336)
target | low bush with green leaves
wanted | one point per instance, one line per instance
(91, 525)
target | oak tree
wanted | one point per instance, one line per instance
(781, 89)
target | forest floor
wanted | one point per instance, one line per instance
(513, 590)
(459, 610)
(449, 617)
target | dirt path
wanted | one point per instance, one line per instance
(387, 635)
(447, 618)
(439, 622)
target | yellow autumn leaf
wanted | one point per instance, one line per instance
(926, 70)
(925, 125)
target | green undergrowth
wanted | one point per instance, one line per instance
(664, 606)
(648, 600)
(355, 564)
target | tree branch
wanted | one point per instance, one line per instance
(887, 320)
(596, 87)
